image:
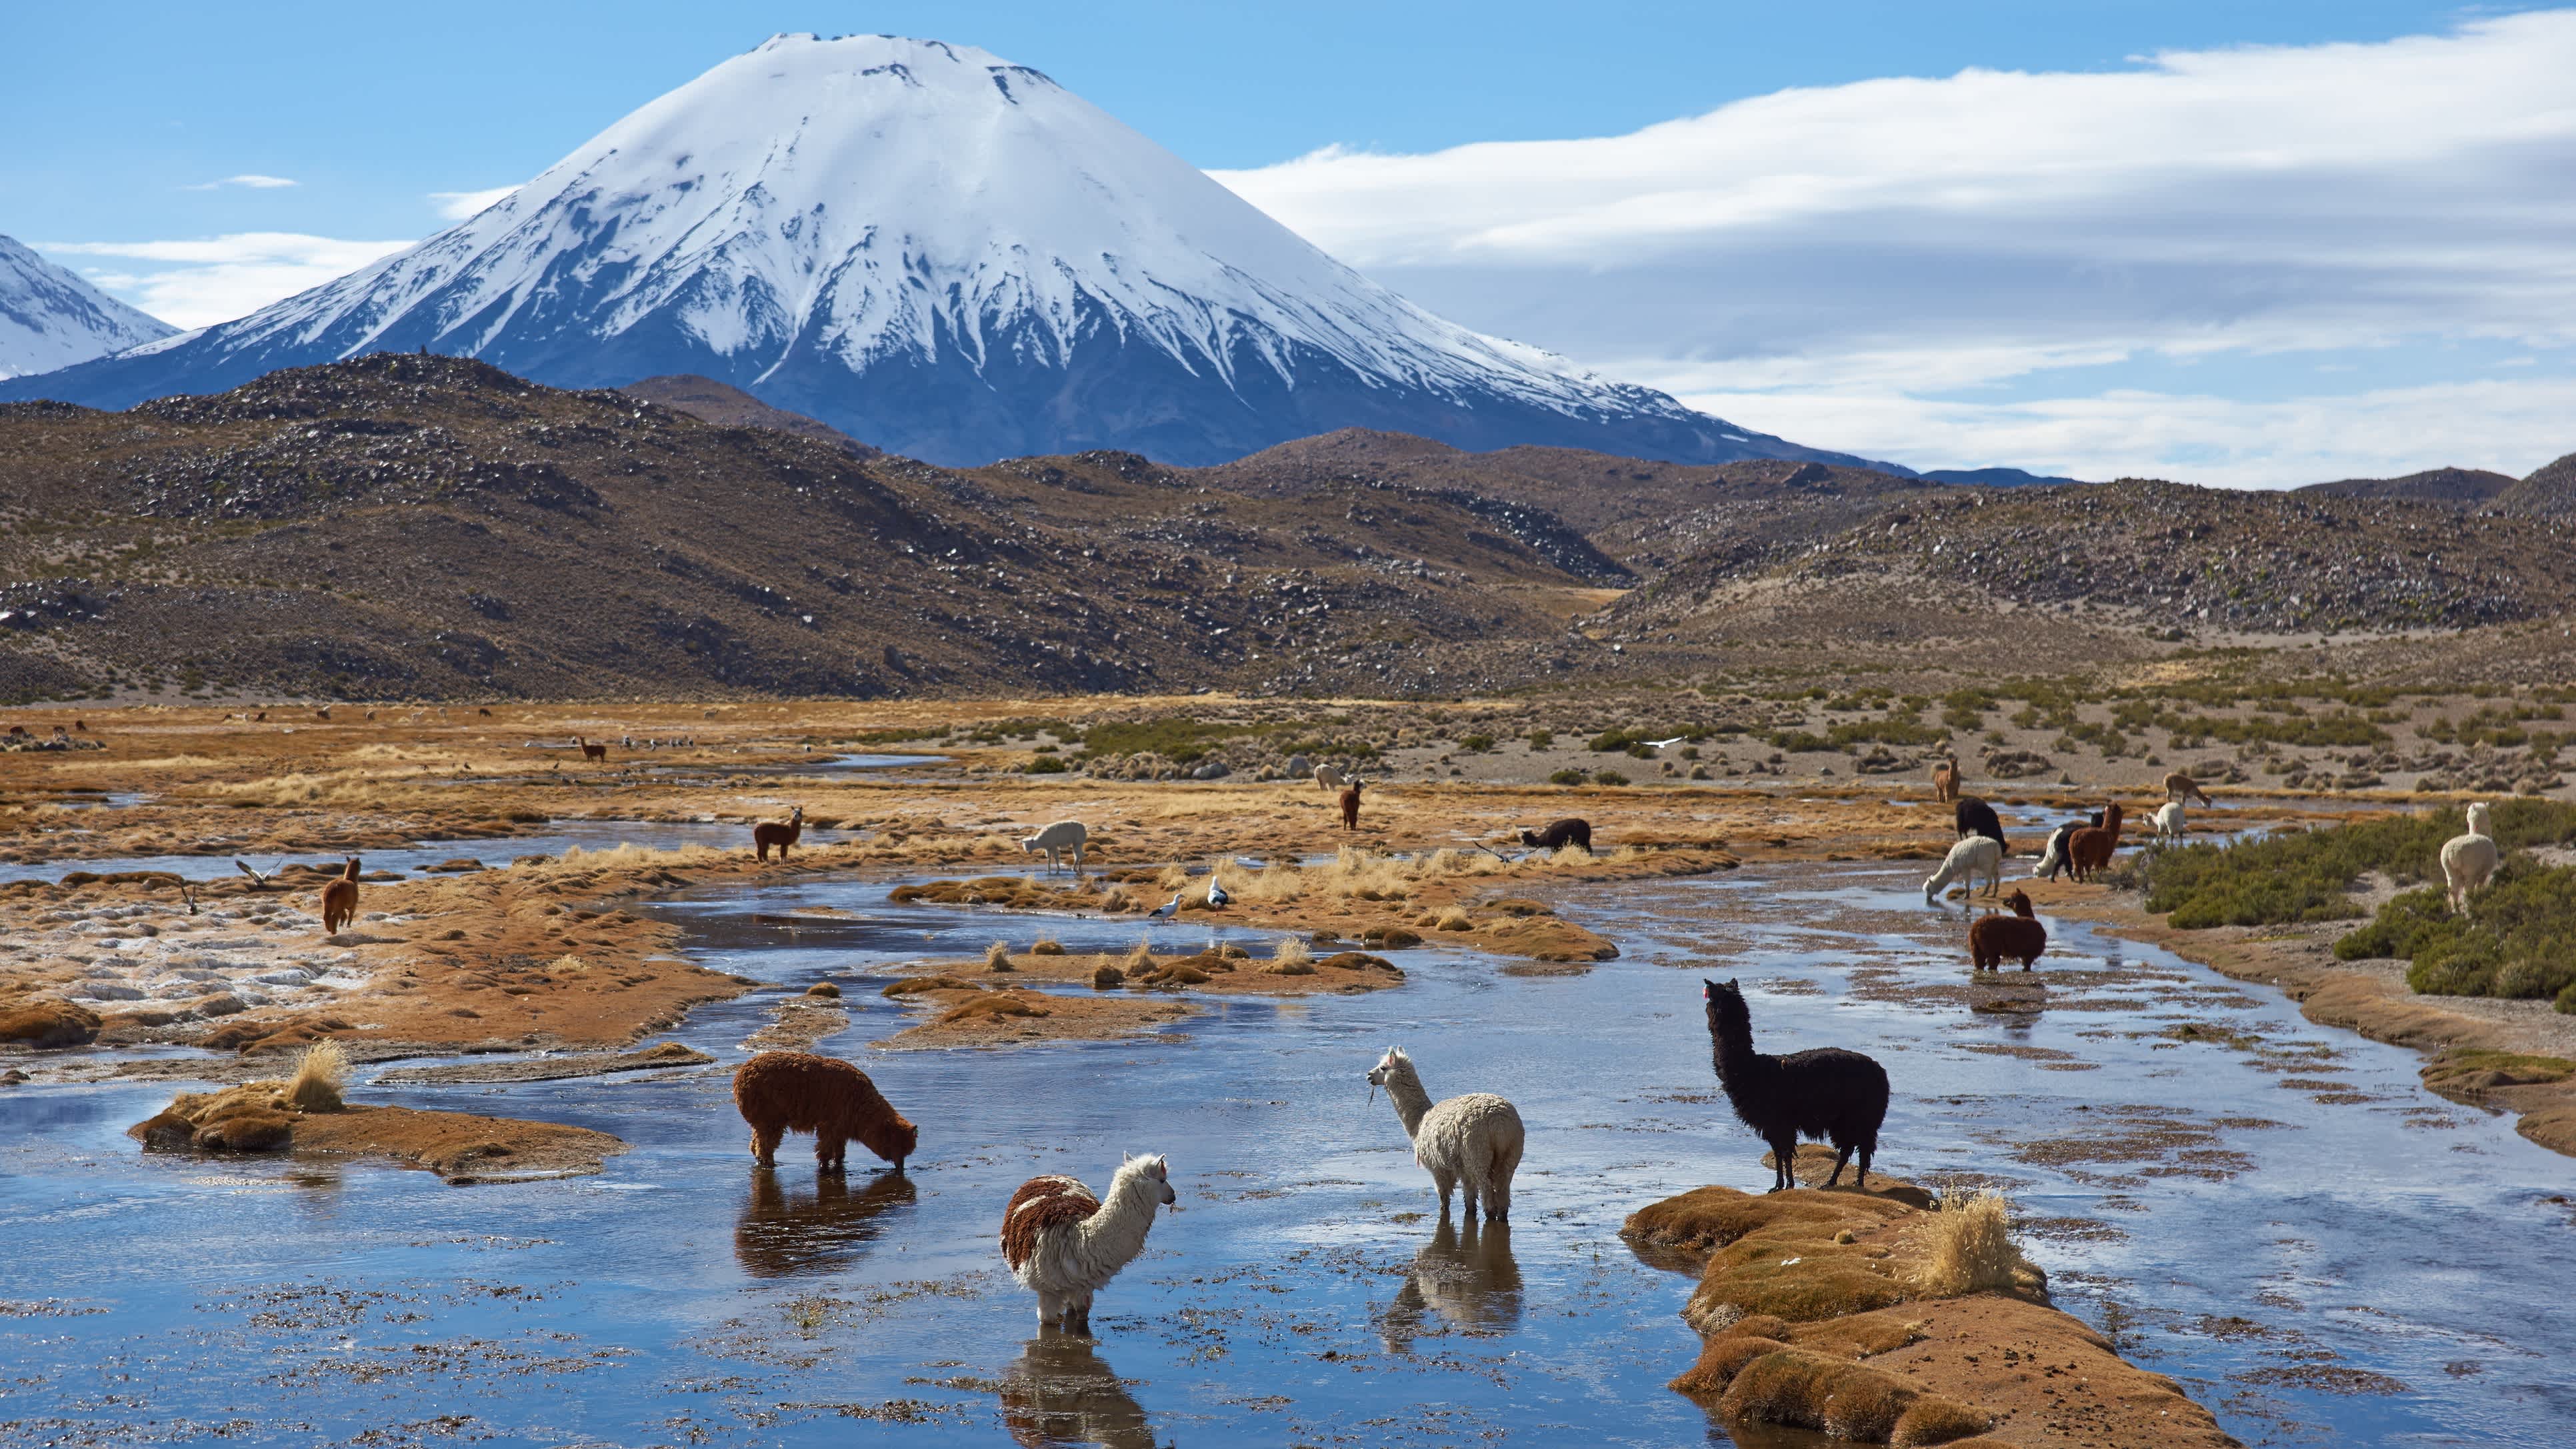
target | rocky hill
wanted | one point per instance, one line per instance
(420, 526)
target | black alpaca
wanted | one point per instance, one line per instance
(1825, 1093)
(1976, 817)
(2053, 859)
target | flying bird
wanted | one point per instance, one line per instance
(1166, 910)
(258, 882)
(1659, 744)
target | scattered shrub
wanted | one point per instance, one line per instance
(319, 1075)
(1046, 946)
(1608, 777)
(1568, 777)
(1542, 739)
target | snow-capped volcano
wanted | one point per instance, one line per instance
(941, 253)
(50, 318)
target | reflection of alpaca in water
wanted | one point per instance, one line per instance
(1461, 1282)
(1060, 1392)
(781, 1234)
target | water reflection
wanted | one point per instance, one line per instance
(782, 1233)
(1060, 1392)
(1463, 1281)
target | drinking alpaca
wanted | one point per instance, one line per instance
(1825, 1093)
(769, 833)
(340, 900)
(1572, 830)
(1472, 1141)
(783, 1092)
(1064, 1244)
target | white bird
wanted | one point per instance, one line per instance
(1659, 744)
(1216, 893)
(258, 882)
(1166, 910)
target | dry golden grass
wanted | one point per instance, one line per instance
(1140, 957)
(1290, 951)
(319, 1074)
(1046, 945)
(997, 956)
(1966, 1247)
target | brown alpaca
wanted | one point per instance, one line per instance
(1351, 806)
(2017, 937)
(2179, 786)
(1945, 780)
(340, 899)
(783, 1092)
(2089, 850)
(769, 833)
(590, 751)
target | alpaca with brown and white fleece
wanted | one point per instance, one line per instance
(2468, 860)
(783, 1092)
(340, 900)
(1064, 1244)
(2179, 786)
(1970, 858)
(2089, 851)
(1471, 1142)
(1994, 940)
(768, 833)
(1945, 780)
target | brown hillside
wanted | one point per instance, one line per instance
(710, 401)
(2468, 487)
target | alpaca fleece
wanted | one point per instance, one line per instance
(1056, 839)
(2089, 850)
(1823, 1093)
(2053, 859)
(769, 833)
(783, 1092)
(1472, 1141)
(1994, 940)
(1569, 831)
(1945, 781)
(2468, 860)
(1064, 1244)
(2179, 786)
(340, 900)
(1972, 857)
(1976, 817)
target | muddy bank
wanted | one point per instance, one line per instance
(1878, 1317)
(2482, 1055)
(971, 1014)
(462, 1148)
(548, 1069)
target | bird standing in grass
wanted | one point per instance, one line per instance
(1216, 896)
(1166, 910)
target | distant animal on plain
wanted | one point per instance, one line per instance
(1471, 1142)
(1064, 1244)
(2089, 851)
(1945, 780)
(324, 713)
(2053, 859)
(2469, 860)
(1975, 817)
(2179, 786)
(1569, 831)
(768, 833)
(1972, 857)
(590, 751)
(2170, 825)
(80, 726)
(1823, 1093)
(1328, 779)
(1056, 839)
(1351, 805)
(783, 1092)
(340, 899)
(261, 717)
(1994, 940)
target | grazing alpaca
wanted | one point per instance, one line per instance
(2170, 824)
(1328, 779)
(2467, 860)
(1945, 780)
(1824, 1093)
(2053, 859)
(1471, 1141)
(2017, 937)
(1351, 805)
(1976, 817)
(340, 899)
(783, 1092)
(1055, 840)
(1972, 857)
(2179, 786)
(590, 751)
(2088, 851)
(768, 833)
(1063, 1244)
(1569, 831)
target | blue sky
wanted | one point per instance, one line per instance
(147, 142)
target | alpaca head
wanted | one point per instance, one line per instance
(2020, 904)
(796, 816)
(2480, 820)
(1727, 1012)
(350, 871)
(2111, 816)
(1157, 1172)
(892, 1140)
(1391, 1067)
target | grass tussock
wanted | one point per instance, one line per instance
(997, 956)
(1139, 958)
(320, 1073)
(1967, 1247)
(1046, 945)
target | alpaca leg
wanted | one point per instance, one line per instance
(1842, 1154)
(1444, 1181)
(828, 1150)
(764, 1144)
(1050, 1310)
(1784, 1155)
(1078, 1316)
(1868, 1145)
(1470, 1188)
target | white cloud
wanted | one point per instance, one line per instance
(458, 205)
(253, 180)
(1824, 258)
(198, 283)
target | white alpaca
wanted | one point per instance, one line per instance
(2467, 860)
(1977, 855)
(1056, 839)
(1329, 779)
(1473, 1141)
(2170, 824)
(1064, 1245)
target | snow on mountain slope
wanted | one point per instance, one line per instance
(939, 252)
(50, 318)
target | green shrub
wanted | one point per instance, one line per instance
(1475, 744)
(1568, 777)
(1608, 777)
(1542, 739)
(1047, 765)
